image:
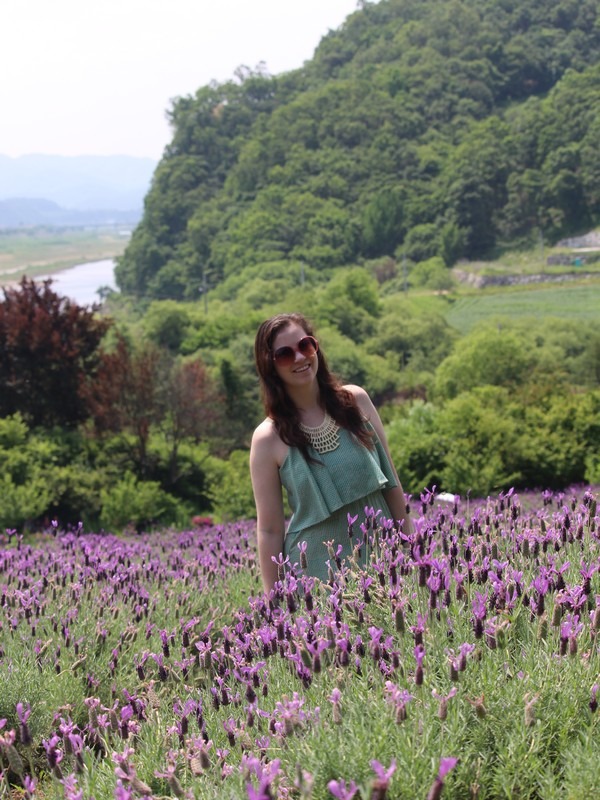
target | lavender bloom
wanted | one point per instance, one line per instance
(340, 791)
(443, 701)
(23, 715)
(29, 785)
(419, 657)
(72, 790)
(398, 698)
(381, 782)
(446, 764)
(479, 606)
(335, 699)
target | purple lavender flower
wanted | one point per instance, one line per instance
(479, 605)
(443, 701)
(446, 764)
(341, 791)
(419, 657)
(398, 698)
(381, 782)
(23, 715)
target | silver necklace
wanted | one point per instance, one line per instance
(325, 437)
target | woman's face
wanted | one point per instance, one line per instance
(304, 368)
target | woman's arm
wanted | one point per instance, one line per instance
(270, 519)
(394, 497)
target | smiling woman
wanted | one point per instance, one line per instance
(325, 443)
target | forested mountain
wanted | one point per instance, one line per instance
(420, 127)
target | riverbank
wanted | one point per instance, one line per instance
(85, 284)
(37, 252)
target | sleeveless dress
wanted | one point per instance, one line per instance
(322, 495)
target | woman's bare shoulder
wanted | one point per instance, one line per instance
(363, 401)
(265, 432)
(266, 440)
(355, 390)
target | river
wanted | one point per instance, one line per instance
(81, 283)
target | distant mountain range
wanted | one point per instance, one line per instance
(24, 211)
(72, 190)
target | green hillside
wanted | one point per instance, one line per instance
(420, 128)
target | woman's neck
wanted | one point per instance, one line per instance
(307, 401)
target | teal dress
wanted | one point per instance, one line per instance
(322, 495)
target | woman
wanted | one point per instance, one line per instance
(324, 443)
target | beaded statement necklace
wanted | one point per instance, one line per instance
(325, 437)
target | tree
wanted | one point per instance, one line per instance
(489, 356)
(383, 222)
(49, 350)
(125, 396)
(138, 391)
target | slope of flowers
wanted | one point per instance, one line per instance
(464, 662)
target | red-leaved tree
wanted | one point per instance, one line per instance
(49, 349)
(141, 389)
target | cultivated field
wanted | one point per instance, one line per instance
(576, 301)
(38, 251)
(463, 662)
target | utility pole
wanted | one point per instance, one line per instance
(204, 290)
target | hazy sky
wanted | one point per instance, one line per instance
(81, 77)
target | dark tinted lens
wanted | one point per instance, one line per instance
(307, 346)
(284, 356)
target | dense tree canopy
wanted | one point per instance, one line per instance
(423, 127)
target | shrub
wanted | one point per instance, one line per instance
(140, 504)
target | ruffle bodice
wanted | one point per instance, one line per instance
(337, 478)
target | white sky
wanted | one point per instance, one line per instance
(94, 77)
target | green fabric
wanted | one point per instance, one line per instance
(321, 495)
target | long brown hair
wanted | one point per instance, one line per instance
(338, 402)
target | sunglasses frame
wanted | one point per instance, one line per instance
(285, 356)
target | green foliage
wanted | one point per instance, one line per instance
(481, 442)
(491, 356)
(165, 324)
(432, 274)
(353, 364)
(45, 475)
(421, 242)
(437, 130)
(420, 340)
(351, 303)
(230, 488)
(25, 502)
(416, 447)
(140, 504)
(383, 227)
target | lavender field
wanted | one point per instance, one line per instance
(463, 663)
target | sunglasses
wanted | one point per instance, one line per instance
(285, 356)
